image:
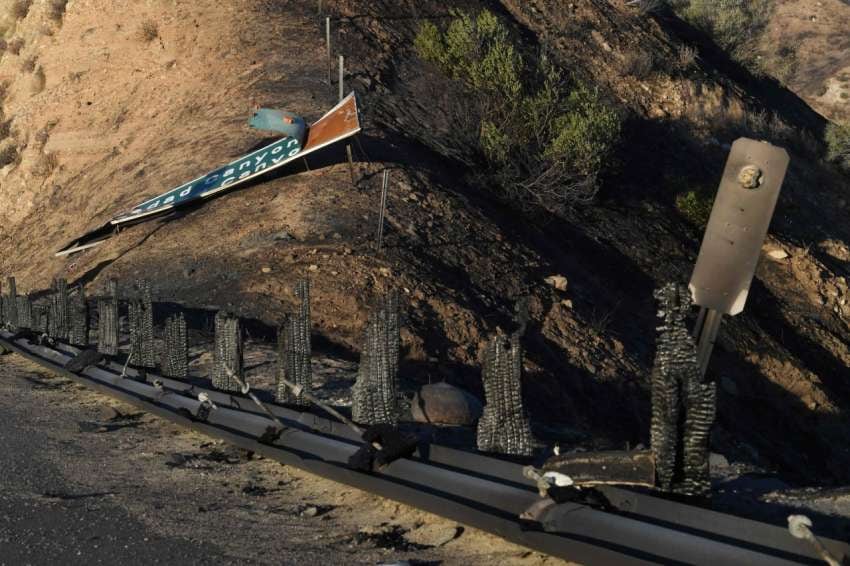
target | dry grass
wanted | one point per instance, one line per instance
(38, 81)
(686, 56)
(56, 9)
(46, 164)
(28, 64)
(639, 64)
(8, 153)
(148, 31)
(15, 45)
(41, 136)
(20, 8)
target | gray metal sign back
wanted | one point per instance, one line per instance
(738, 225)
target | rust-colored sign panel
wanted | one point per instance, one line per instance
(337, 124)
(738, 225)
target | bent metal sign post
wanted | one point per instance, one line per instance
(341, 122)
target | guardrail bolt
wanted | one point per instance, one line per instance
(504, 426)
(228, 352)
(294, 350)
(107, 323)
(375, 393)
(175, 355)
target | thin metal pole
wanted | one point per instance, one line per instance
(707, 338)
(246, 390)
(341, 72)
(328, 46)
(320, 7)
(699, 323)
(298, 390)
(384, 186)
(350, 164)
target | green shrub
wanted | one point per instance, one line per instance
(543, 141)
(695, 206)
(837, 140)
(733, 24)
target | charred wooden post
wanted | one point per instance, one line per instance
(79, 317)
(701, 408)
(683, 404)
(175, 355)
(59, 310)
(503, 426)
(294, 350)
(41, 318)
(25, 319)
(375, 393)
(10, 304)
(227, 356)
(107, 324)
(141, 327)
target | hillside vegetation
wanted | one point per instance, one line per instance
(524, 139)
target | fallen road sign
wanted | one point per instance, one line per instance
(340, 122)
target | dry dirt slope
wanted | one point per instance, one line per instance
(818, 60)
(139, 97)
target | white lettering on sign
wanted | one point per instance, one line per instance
(245, 174)
(227, 181)
(244, 164)
(211, 179)
(185, 192)
(260, 158)
(261, 166)
(290, 142)
(154, 205)
(229, 172)
(277, 150)
(168, 200)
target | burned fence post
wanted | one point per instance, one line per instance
(294, 351)
(683, 403)
(25, 319)
(59, 310)
(141, 327)
(503, 426)
(10, 304)
(79, 315)
(375, 397)
(107, 324)
(227, 356)
(175, 355)
(41, 318)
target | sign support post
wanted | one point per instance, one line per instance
(736, 230)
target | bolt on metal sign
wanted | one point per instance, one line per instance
(738, 225)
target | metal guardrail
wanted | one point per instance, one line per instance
(477, 490)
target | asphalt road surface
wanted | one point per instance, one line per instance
(88, 480)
